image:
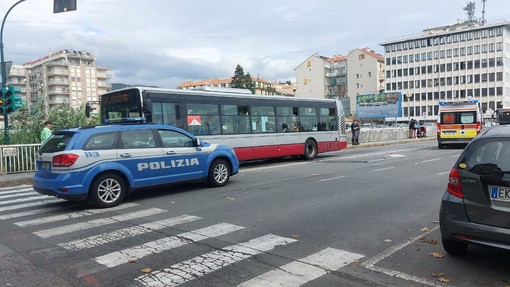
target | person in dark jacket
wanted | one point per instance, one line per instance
(355, 129)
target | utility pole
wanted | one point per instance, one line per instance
(7, 139)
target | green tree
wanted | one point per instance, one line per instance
(242, 81)
(27, 124)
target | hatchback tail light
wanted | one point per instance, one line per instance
(64, 160)
(454, 183)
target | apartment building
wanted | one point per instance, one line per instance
(341, 77)
(262, 87)
(365, 74)
(65, 76)
(311, 77)
(467, 60)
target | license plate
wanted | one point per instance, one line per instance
(46, 164)
(501, 193)
(450, 133)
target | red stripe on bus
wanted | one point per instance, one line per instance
(260, 152)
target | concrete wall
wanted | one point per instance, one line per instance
(387, 134)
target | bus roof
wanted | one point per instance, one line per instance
(213, 91)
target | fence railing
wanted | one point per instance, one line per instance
(18, 158)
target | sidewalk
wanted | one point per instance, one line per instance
(16, 179)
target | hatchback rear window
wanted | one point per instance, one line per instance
(494, 153)
(56, 143)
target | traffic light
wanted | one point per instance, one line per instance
(17, 102)
(3, 94)
(10, 100)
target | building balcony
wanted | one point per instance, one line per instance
(103, 76)
(103, 85)
(58, 73)
(58, 83)
(57, 92)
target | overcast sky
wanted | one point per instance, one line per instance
(166, 42)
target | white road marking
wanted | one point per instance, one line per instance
(384, 168)
(333, 178)
(443, 173)
(2, 190)
(376, 160)
(396, 155)
(212, 261)
(16, 192)
(302, 271)
(105, 238)
(95, 223)
(72, 215)
(154, 247)
(370, 263)
(428, 160)
(23, 199)
(32, 204)
(30, 212)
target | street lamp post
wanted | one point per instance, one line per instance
(4, 72)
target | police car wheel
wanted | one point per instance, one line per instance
(219, 173)
(107, 190)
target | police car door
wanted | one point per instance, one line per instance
(184, 161)
(140, 157)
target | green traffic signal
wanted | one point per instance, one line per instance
(9, 100)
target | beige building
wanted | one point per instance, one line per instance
(365, 74)
(311, 77)
(468, 60)
(66, 76)
(342, 77)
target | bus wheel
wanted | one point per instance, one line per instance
(219, 173)
(107, 190)
(310, 149)
(440, 145)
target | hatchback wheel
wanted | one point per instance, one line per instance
(454, 247)
(107, 190)
(219, 173)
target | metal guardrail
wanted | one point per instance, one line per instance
(18, 158)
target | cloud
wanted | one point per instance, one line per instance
(165, 42)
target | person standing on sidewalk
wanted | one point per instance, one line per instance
(355, 129)
(411, 128)
(46, 132)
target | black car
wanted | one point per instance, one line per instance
(475, 208)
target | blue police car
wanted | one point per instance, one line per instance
(103, 164)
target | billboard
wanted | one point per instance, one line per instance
(382, 105)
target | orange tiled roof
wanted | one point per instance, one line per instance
(372, 53)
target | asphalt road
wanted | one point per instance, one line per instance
(364, 217)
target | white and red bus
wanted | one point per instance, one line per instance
(257, 127)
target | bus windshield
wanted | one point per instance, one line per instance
(121, 104)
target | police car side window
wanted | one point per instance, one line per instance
(137, 139)
(175, 139)
(100, 141)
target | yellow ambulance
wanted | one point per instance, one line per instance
(458, 122)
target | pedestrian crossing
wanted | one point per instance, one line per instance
(62, 225)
